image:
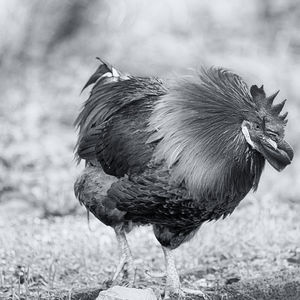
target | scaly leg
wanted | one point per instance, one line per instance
(173, 281)
(126, 260)
(173, 288)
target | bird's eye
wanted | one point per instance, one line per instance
(257, 126)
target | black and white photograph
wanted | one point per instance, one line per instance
(149, 150)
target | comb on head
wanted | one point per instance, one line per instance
(266, 103)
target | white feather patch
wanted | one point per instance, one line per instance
(247, 136)
(115, 73)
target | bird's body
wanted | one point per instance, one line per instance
(175, 155)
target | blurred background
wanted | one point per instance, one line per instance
(47, 53)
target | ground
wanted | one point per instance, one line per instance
(48, 249)
(40, 256)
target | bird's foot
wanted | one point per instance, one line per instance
(183, 293)
(200, 293)
(126, 265)
(172, 294)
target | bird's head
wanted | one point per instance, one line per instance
(263, 129)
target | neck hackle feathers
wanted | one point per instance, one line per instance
(198, 124)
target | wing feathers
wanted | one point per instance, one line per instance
(113, 122)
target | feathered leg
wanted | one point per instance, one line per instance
(126, 259)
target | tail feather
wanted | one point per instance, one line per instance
(104, 71)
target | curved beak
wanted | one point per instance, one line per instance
(279, 155)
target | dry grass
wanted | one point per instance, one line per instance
(63, 253)
(45, 240)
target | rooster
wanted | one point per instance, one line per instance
(173, 154)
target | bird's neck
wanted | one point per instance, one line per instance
(198, 129)
(237, 172)
(229, 173)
